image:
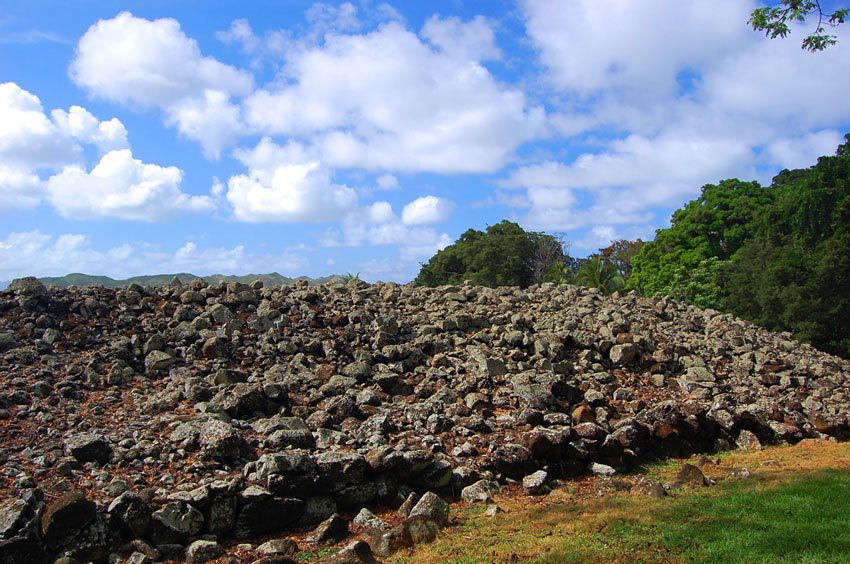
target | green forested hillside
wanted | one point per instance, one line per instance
(779, 256)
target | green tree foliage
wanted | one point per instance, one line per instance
(714, 225)
(794, 274)
(777, 256)
(504, 255)
(700, 285)
(599, 272)
(774, 21)
(621, 253)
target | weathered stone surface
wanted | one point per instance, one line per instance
(481, 491)
(202, 551)
(95, 541)
(747, 440)
(174, 522)
(535, 484)
(269, 515)
(366, 518)
(132, 512)
(27, 286)
(218, 439)
(279, 547)
(65, 518)
(602, 469)
(15, 515)
(8, 341)
(433, 507)
(332, 529)
(88, 447)
(349, 395)
(159, 361)
(690, 475)
(623, 355)
(410, 532)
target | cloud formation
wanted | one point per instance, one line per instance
(390, 100)
(152, 63)
(668, 110)
(286, 184)
(31, 142)
(122, 187)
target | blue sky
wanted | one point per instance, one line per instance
(319, 138)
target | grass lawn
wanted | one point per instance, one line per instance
(794, 508)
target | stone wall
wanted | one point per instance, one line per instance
(164, 416)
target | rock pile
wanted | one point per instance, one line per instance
(159, 423)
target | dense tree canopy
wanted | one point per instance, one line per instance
(503, 255)
(794, 273)
(599, 272)
(777, 256)
(715, 225)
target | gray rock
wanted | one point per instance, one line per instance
(222, 514)
(65, 518)
(433, 507)
(27, 286)
(366, 518)
(535, 484)
(174, 522)
(218, 439)
(699, 374)
(159, 361)
(481, 491)
(203, 551)
(339, 469)
(132, 512)
(690, 475)
(88, 447)
(8, 341)
(407, 505)
(15, 515)
(242, 401)
(623, 355)
(279, 547)
(602, 470)
(317, 508)
(493, 510)
(747, 440)
(96, 541)
(332, 529)
(408, 533)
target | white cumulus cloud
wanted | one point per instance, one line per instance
(286, 184)
(425, 210)
(31, 142)
(389, 100)
(153, 63)
(122, 187)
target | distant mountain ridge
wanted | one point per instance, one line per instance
(270, 279)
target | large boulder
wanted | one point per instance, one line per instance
(65, 518)
(88, 447)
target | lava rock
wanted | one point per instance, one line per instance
(65, 518)
(88, 447)
(332, 529)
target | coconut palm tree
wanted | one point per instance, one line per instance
(597, 272)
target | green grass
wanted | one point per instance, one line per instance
(804, 520)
